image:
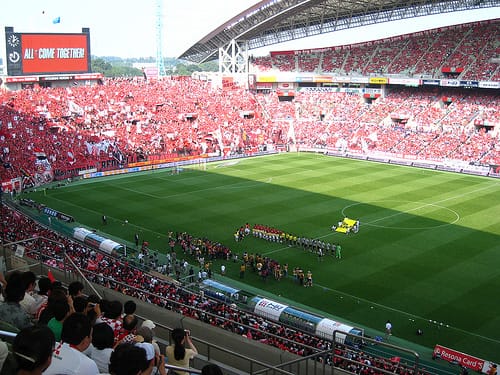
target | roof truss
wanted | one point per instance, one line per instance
(275, 21)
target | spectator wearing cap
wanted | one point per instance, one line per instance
(148, 324)
(156, 361)
(146, 334)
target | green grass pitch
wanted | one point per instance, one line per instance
(427, 255)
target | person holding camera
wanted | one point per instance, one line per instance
(177, 354)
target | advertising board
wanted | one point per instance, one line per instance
(37, 53)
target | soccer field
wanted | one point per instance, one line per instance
(427, 254)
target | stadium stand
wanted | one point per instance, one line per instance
(461, 51)
(285, 62)
(386, 53)
(357, 58)
(120, 123)
(332, 60)
(309, 62)
(264, 63)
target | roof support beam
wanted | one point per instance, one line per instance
(233, 58)
(275, 21)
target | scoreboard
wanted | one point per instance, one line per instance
(39, 53)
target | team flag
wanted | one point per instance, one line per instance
(50, 276)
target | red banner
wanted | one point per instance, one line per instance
(460, 358)
(285, 93)
(89, 76)
(452, 69)
(21, 79)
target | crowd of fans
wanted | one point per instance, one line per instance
(125, 121)
(119, 275)
(462, 51)
(411, 122)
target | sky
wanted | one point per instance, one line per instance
(127, 28)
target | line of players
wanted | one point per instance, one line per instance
(314, 245)
(319, 247)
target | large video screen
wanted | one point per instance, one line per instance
(29, 54)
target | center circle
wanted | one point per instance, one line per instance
(370, 214)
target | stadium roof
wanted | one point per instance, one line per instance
(275, 21)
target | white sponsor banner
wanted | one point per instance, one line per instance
(372, 91)
(328, 326)
(270, 309)
(91, 170)
(359, 79)
(450, 82)
(489, 85)
(405, 81)
(81, 233)
(108, 246)
(342, 79)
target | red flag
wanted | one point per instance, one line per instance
(50, 276)
(92, 265)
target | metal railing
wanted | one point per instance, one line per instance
(41, 256)
(411, 363)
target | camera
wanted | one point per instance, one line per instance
(187, 332)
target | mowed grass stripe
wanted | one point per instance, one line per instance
(403, 274)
